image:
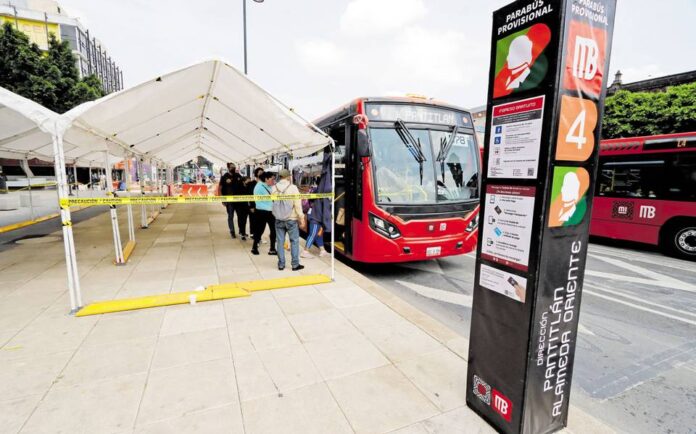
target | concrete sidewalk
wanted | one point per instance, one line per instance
(335, 358)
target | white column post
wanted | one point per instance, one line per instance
(77, 190)
(31, 196)
(118, 248)
(68, 240)
(333, 210)
(143, 208)
(129, 208)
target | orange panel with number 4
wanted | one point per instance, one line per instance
(578, 120)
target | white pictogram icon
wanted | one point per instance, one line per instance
(585, 58)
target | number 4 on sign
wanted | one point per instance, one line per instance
(576, 132)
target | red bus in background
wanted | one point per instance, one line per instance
(646, 192)
(407, 179)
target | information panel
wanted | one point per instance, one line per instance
(547, 83)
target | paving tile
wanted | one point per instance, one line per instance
(185, 348)
(308, 410)
(260, 305)
(263, 334)
(346, 355)
(99, 362)
(186, 318)
(380, 400)
(305, 303)
(320, 325)
(30, 375)
(290, 367)
(459, 421)
(113, 328)
(441, 376)
(105, 407)
(253, 379)
(174, 392)
(14, 412)
(343, 296)
(226, 419)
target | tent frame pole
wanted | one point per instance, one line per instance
(333, 210)
(143, 208)
(68, 240)
(129, 208)
(118, 249)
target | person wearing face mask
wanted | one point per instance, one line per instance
(230, 184)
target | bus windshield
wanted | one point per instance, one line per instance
(400, 177)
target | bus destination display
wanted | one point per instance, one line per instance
(417, 114)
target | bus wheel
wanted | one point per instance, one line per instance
(682, 241)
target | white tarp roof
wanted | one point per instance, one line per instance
(27, 129)
(208, 109)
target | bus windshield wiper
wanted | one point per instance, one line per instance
(445, 147)
(413, 145)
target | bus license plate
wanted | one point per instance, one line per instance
(433, 251)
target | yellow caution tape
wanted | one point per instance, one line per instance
(151, 200)
(67, 223)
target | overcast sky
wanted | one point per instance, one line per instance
(318, 54)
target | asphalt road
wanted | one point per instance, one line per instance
(635, 365)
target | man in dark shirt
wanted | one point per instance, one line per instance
(231, 184)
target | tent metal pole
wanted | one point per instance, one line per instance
(333, 210)
(129, 208)
(143, 208)
(112, 211)
(31, 196)
(77, 190)
(62, 187)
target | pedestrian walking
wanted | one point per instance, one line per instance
(289, 217)
(229, 182)
(263, 214)
(241, 209)
(315, 232)
(252, 204)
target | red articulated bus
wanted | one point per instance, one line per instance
(646, 192)
(407, 179)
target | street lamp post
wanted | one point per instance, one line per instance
(244, 2)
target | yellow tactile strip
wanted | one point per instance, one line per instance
(212, 292)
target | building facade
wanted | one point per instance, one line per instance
(39, 18)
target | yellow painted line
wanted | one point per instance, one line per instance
(284, 282)
(128, 250)
(212, 292)
(26, 223)
(152, 217)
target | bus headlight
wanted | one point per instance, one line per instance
(383, 227)
(473, 224)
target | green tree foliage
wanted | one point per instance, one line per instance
(49, 78)
(629, 114)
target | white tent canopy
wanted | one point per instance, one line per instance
(27, 130)
(208, 109)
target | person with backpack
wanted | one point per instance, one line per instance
(263, 213)
(289, 217)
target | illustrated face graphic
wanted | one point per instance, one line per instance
(571, 188)
(520, 63)
(568, 206)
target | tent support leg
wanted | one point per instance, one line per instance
(333, 213)
(118, 249)
(68, 240)
(129, 208)
(143, 208)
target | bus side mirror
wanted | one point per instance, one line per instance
(363, 145)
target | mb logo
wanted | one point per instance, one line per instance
(502, 405)
(647, 212)
(585, 58)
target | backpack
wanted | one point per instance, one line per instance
(282, 209)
